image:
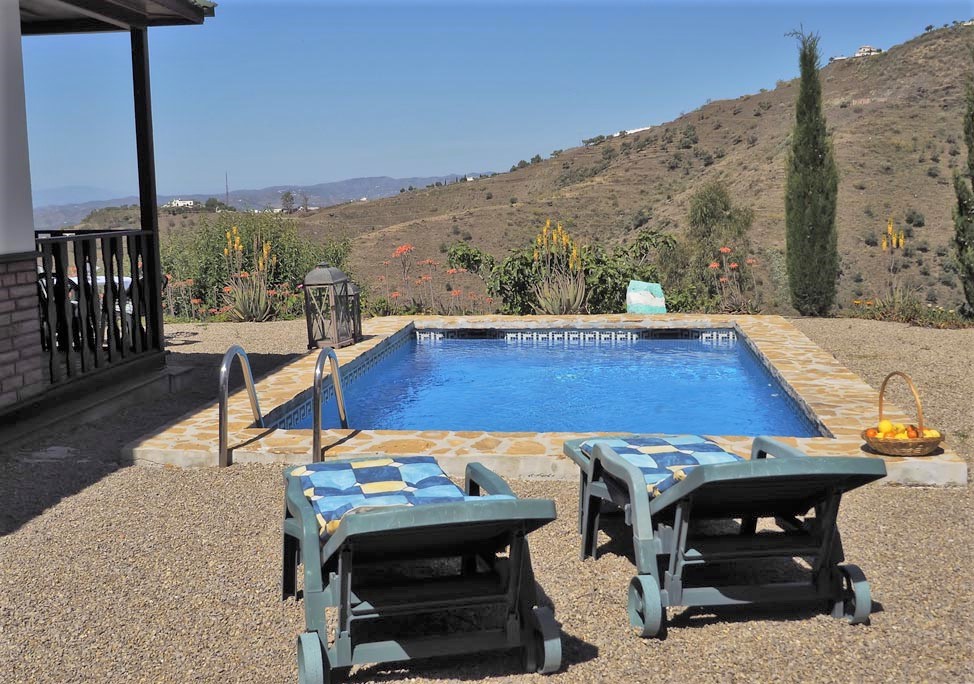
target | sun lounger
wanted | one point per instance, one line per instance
(353, 523)
(665, 485)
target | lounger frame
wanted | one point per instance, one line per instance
(785, 487)
(476, 531)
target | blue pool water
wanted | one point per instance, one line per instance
(658, 385)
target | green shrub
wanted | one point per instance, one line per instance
(903, 305)
(688, 137)
(518, 281)
(197, 256)
(915, 218)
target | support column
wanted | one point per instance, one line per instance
(21, 356)
(152, 261)
(16, 212)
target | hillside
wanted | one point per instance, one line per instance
(896, 124)
(71, 211)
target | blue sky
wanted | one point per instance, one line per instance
(306, 92)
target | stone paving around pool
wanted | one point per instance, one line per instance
(833, 397)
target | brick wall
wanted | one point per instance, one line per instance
(22, 361)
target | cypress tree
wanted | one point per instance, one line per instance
(810, 194)
(964, 210)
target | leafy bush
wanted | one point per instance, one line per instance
(197, 257)
(688, 137)
(520, 283)
(903, 305)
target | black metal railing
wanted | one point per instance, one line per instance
(99, 299)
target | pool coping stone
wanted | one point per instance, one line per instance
(832, 396)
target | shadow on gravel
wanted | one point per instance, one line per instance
(731, 573)
(37, 472)
(476, 666)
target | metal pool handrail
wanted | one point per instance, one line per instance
(235, 352)
(336, 380)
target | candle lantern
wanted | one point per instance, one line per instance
(332, 308)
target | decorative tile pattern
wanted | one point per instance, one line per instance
(834, 397)
(576, 336)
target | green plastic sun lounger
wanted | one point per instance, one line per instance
(667, 484)
(362, 527)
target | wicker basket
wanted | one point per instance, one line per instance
(920, 446)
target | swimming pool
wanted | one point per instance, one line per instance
(557, 383)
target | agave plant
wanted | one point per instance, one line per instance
(560, 293)
(247, 295)
(249, 300)
(560, 288)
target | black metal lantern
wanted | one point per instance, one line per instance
(332, 308)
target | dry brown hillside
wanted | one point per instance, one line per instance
(896, 124)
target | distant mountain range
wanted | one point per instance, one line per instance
(66, 206)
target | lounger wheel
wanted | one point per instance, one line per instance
(542, 642)
(646, 613)
(854, 601)
(312, 660)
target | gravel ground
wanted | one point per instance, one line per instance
(118, 574)
(941, 363)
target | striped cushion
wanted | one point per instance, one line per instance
(334, 489)
(664, 459)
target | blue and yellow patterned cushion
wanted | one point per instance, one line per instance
(334, 489)
(664, 459)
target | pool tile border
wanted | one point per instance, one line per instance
(831, 395)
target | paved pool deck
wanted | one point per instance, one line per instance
(830, 394)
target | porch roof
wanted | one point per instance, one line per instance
(82, 16)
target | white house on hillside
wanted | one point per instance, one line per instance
(179, 203)
(866, 51)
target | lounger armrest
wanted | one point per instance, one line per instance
(480, 476)
(604, 458)
(303, 514)
(765, 446)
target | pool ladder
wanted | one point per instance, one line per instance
(237, 352)
(336, 381)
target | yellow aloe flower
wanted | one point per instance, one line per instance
(226, 251)
(884, 244)
(889, 226)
